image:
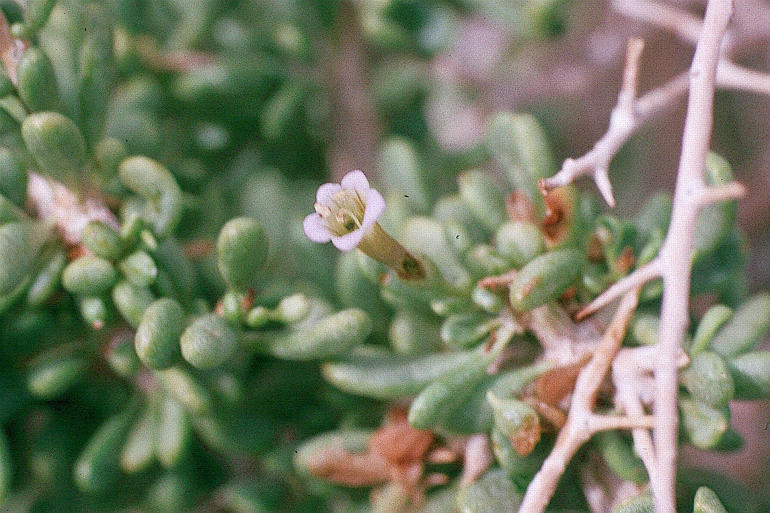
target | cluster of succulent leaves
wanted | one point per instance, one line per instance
(565, 253)
(170, 359)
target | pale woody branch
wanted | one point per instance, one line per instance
(631, 113)
(676, 253)
(582, 423)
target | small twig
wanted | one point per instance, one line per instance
(639, 277)
(629, 114)
(624, 376)
(615, 422)
(581, 422)
(683, 24)
(733, 76)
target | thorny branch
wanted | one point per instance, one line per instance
(631, 112)
(676, 252)
(674, 263)
(582, 423)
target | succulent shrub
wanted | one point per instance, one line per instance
(175, 338)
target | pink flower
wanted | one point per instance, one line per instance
(344, 212)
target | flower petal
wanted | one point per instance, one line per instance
(315, 229)
(348, 241)
(355, 180)
(375, 206)
(326, 192)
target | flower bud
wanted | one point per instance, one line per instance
(208, 342)
(37, 81)
(484, 197)
(88, 276)
(706, 501)
(13, 178)
(545, 278)
(173, 432)
(519, 144)
(751, 372)
(386, 376)
(162, 195)
(131, 301)
(493, 492)
(52, 376)
(157, 337)
(708, 380)
(241, 251)
(519, 242)
(518, 421)
(748, 325)
(331, 336)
